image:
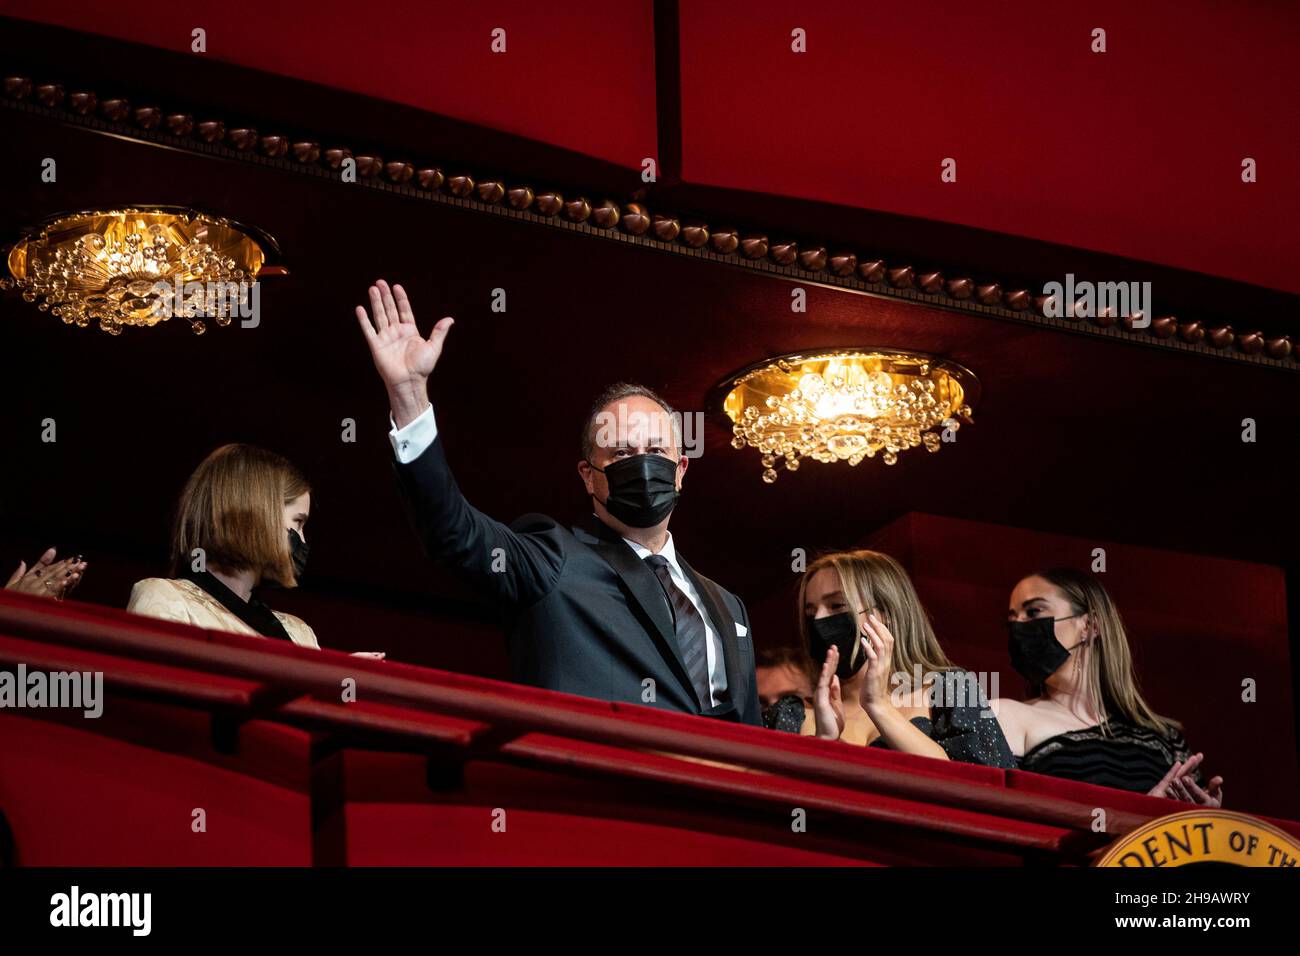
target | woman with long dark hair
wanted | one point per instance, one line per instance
(1086, 718)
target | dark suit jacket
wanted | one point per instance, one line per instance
(582, 613)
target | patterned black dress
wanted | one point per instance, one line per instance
(962, 723)
(1130, 758)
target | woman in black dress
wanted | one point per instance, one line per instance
(1086, 719)
(883, 678)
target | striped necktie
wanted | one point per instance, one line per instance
(692, 637)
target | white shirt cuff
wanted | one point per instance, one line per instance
(411, 442)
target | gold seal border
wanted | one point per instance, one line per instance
(1124, 843)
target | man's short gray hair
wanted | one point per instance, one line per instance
(618, 392)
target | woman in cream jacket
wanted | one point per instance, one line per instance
(241, 522)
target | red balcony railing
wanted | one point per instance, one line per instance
(218, 749)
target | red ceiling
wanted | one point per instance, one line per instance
(1135, 152)
(578, 75)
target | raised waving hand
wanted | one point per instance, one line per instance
(403, 358)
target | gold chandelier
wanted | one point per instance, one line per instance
(136, 266)
(846, 405)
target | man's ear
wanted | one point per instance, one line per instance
(587, 472)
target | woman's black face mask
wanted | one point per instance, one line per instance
(1035, 651)
(840, 631)
(298, 551)
(642, 489)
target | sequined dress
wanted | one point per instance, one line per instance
(963, 724)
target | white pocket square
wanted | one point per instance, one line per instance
(741, 630)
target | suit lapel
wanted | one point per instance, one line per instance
(646, 591)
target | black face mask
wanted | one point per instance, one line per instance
(298, 551)
(841, 631)
(787, 714)
(642, 489)
(1035, 651)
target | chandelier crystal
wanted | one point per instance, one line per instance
(135, 267)
(847, 405)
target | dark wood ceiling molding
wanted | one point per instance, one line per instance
(808, 262)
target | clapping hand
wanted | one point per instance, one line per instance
(828, 709)
(47, 577)
(1180, 784)
(879, 646)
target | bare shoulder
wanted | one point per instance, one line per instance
(1014, 717)
(918, 700)
(1005, 707)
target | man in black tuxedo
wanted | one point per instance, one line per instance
(607, 609)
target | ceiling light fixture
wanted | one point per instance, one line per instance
(846, 405)
(137, 266)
